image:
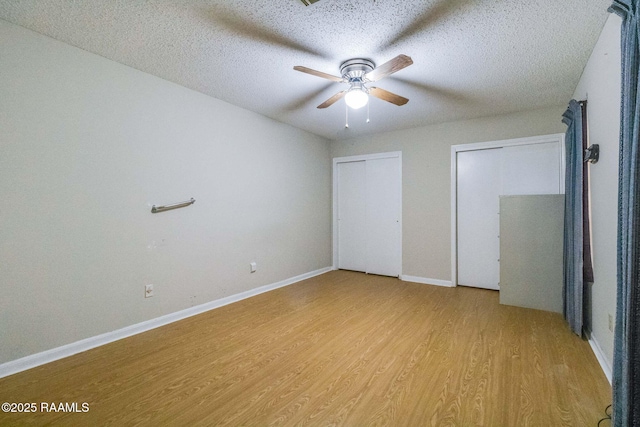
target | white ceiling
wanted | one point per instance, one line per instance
(472, 58)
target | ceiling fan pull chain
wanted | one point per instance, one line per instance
(367, 112)
(346, 113)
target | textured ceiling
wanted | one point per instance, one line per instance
(472, 58)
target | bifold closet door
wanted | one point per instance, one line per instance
(369, 198)
(352, 230)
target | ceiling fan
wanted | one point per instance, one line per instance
(358, 73)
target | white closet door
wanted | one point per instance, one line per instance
(383, 216)
(352, 231)
(479, 186)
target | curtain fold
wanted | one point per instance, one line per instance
(573, 281)
(626, 357)
(587, 268)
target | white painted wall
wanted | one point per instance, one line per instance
(426, 157)
(600, 86)
(88, 145)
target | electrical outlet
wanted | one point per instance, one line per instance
(148, 291)
(610, 322)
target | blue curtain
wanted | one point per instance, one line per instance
(626, 357)
(573, 283)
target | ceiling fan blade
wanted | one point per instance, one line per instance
(318, 74)
(329, 102)
(387, 96)
(389, 67)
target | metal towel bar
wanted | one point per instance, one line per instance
(156, 209)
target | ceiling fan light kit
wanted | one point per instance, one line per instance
(353, 71)
(357, 73)
(356, 97)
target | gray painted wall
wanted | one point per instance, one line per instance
(88, 145)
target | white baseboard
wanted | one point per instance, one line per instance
(28, 362)
(425, 281)
(605, 364)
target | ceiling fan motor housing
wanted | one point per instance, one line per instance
(354, 70)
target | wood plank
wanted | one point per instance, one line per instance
(388, 96)
(343, 348)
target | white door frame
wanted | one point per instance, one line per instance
(455, 149)
(357, 158)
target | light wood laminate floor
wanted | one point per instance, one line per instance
(342, 348)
